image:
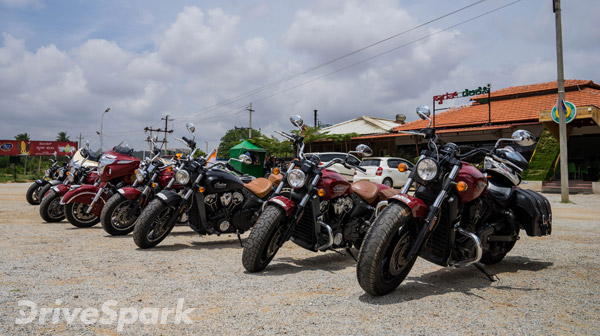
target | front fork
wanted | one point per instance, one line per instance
(96, 198)
(299, 211)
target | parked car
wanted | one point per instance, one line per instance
(348, 173)
(384, 170)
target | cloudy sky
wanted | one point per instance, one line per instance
(62, 63)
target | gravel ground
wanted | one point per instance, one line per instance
(547, 285)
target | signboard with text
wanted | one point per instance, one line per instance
(35, 148)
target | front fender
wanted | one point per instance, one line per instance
(416, 206)
(41, 183)
(60, 189)
(130, 193)
(168, 196)
(55, 182)
(83, 194)
(285, 203)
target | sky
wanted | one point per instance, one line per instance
(62, 63)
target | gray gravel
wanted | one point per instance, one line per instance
(548, 286)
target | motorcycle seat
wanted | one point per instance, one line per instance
(366, 190)
(385, 194)
(260, 186)
(275, 179)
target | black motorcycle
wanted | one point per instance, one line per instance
(458, 215)
(214, 200)
(54, 175)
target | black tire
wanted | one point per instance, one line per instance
(380, 268)
(33, 194)
(50, 209)
(116, 218)
(261, 245)
(75, 213)
(45, 191)
(152, 227)
(388, 182)
(496, 252)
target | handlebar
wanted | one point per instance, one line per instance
(190, 143)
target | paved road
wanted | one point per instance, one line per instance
(547, 285)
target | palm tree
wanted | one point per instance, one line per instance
(22, 137)
(62, 136)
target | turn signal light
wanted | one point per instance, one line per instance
(402, 167)
(201, 189)
(461, 186)
(169, 169)
(321, 192)
(276, 171)
(153, 185)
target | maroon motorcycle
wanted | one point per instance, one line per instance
(320, 211)
(458, 216)
(81, 169)
(83, 205)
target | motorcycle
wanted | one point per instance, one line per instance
(54, 173)
(80, 170)
(214, 200)
(119, 214)
(83, 204)
(319, 211)
(458, 216)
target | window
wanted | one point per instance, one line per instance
(370, 163)
(393, 163)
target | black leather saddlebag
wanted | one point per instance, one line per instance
(533, 212)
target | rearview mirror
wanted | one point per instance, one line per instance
(523, 138)
(245, 159)
(423, 112)
(297, 121)
(363, 150)
(190, 127)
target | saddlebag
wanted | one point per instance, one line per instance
(533, 212)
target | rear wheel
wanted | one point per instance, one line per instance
(76, 215)
(33, 194)
(117, 218)
(496, 252)
(262, 243)
(382, 260)
(154, 223)
(50, 208)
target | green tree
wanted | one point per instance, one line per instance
(62, 136)
(22, 137)
(233, 137)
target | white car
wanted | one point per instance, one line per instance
(384, 170)
(345, 172)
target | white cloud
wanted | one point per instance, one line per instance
(36, 4)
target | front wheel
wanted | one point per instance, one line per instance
(33, 194)
(262, 243)
(117, 217)
(50, 209)
(76, 215)
(154, 223)
(382, 260)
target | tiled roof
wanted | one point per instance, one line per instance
(526, 103)
(361, 125)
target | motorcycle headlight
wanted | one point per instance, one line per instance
(61, 173)
(427, 169)
(296, 178)
(140, 175)
(71, 178)
(182, 177)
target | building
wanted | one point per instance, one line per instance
(362, 125)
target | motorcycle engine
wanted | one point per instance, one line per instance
(219, 208)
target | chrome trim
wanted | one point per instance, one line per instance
(478, 247)
(330, 237)
(98, 194)
(379, 206)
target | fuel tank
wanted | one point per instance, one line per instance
(476, 182)
(334, 184)
(218, 181)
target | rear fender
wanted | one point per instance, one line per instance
(130, 193)
(285, 203)
(417, 207)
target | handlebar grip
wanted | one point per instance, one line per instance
(230, 167)
(361, 169)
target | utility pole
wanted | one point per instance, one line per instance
(166, 119)
(79, 145)
(564, 170)
(250, 110)
(166, 130)
(316, 119)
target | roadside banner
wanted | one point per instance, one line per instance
(37, 148)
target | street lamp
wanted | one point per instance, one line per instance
(102, 134)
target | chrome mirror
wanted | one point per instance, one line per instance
(296, 120)
(190, 127)
(423, 112)
(55, 154)
(363, 150)
(523, 138)
(245, 159)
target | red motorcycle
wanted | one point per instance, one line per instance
(83, 205)
(80, 170)
(458, 216)
(320, 211)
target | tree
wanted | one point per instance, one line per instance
(62, 136)
(233, 137)
(22, 137)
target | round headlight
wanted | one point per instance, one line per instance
(296, 178)
(140, 175)
(182, 177)
(61, 173)
(427, 169)
(71, 178)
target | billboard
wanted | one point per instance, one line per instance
(34, 148)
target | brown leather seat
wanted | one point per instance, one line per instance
(260, 186)
(387, 193)
(367, 190)
(275, 179)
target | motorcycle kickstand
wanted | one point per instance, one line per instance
(491, 277)
(349, 251)
(240, 239)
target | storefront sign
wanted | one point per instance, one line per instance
(466, 93)
(33, 148)
(571, 112)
